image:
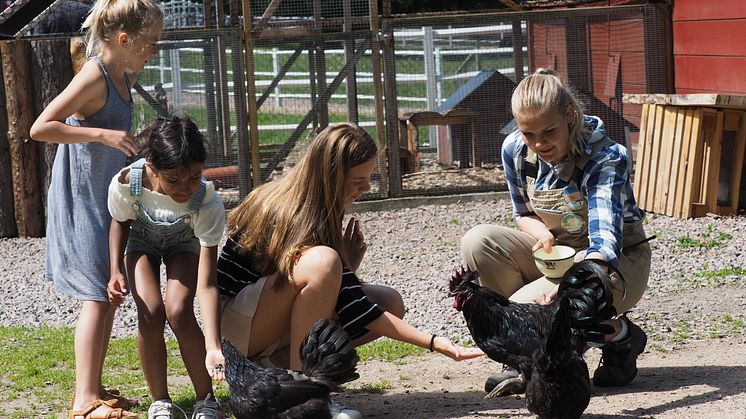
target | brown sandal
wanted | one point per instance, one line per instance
(89, 412)
(111, 398)
(114, 399)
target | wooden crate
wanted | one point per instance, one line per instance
(690, 153)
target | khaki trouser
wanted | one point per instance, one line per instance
(502, 255)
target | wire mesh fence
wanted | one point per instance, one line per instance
(324, 80)
(445, 81)
(200, 73)
(455, 76)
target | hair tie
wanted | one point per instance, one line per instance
(432, 340)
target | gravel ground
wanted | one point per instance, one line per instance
(693, 313)
(414, 251)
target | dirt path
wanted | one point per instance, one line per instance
(686, 372)
(704, 379)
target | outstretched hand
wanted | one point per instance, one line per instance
(444, 346)
(354, 243)
(215, 364)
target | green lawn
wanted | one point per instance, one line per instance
(39, 370)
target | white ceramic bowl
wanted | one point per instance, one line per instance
(555, 263)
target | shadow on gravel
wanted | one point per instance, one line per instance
(441, 404)
(726, 381)
(434, 405)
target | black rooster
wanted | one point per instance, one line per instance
(507, 332)
(510, 332)
(560, 387)
(329, 359)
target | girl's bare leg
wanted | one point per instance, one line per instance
(144, 273)
(91, 337)
(181, 270)
(317, 276)
(108, 325)
(297, 306)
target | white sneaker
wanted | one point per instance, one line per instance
(208, 408)
(162, 409)
(340, 411)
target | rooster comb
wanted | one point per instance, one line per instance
(462, 275)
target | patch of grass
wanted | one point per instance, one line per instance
(404, 378)
(721, 273)
(388, 350)
(657, 347)
(726, 326)
(38, 367)
(457, 221)
(373, 388)
(710, 238)
(682, 330)
(510, 222)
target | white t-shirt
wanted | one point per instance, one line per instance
(208, 223)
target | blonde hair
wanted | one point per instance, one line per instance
(279, 220)
(544, 91)
(107, 17)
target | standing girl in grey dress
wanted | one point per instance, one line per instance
(91, 120)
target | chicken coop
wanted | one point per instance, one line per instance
(260, 88)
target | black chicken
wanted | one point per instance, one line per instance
(510, 333)
(560, 387)
(329, 359)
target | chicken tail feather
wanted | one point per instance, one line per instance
(328, 355)
(589, 289)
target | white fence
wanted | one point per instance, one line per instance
(432, 56)
(434, 45)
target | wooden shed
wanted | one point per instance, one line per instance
(708, 48)
(605, 52)
(693, 142)
(489, 119)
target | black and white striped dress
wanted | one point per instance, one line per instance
(354, 309)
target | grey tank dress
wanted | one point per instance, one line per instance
(78, 220)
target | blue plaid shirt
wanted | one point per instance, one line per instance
(605, 185)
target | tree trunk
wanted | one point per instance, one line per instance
(23, 150)
(46, 55)
(7, 215)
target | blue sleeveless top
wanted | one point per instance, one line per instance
(78, 220)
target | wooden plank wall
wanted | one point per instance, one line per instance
(709, 52)
(690, 160)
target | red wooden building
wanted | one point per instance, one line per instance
(605, 48)
(708, 46)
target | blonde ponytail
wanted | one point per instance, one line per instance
(107, 17)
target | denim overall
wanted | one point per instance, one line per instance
(161, 238)
(565, 213)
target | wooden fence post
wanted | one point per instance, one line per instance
(23, 150)
(45, 55)
(7, 214)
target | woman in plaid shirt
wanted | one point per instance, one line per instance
(570, 185)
